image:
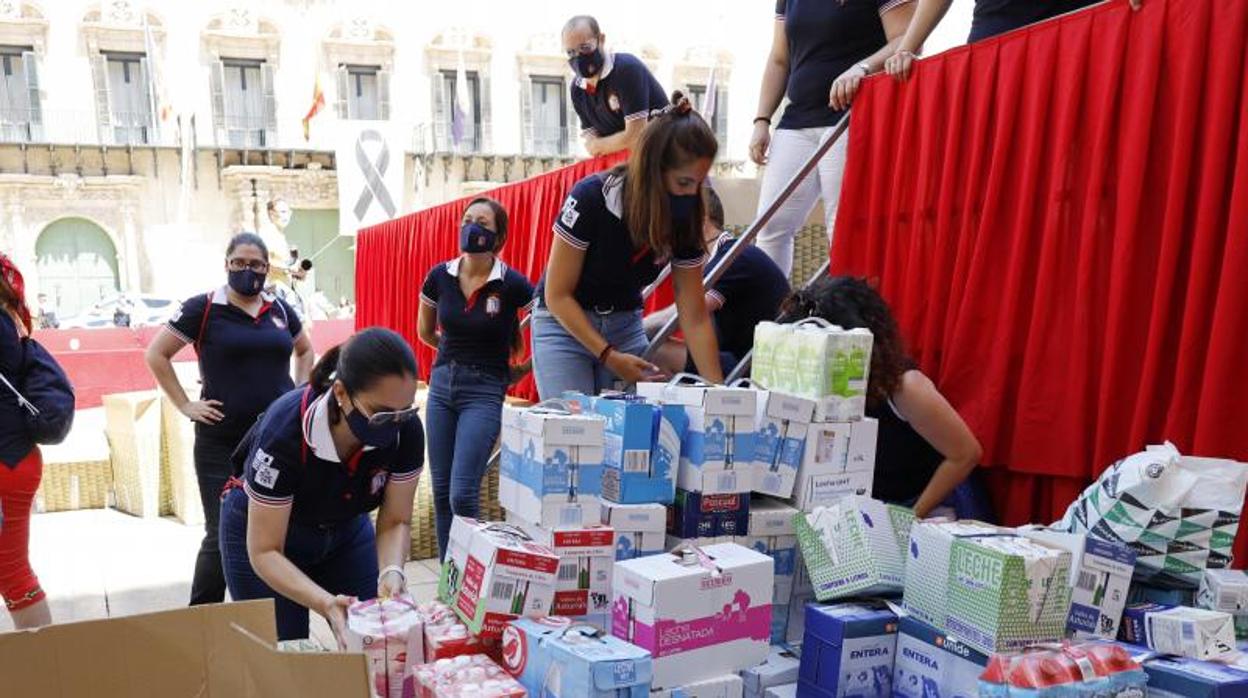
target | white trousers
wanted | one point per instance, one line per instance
(790, 149)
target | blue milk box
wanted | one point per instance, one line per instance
(1180, 677)
(640, 529)
(557, 480)
(717, 451)
(931, 664)
(551, 657)
(848, 651)
(698, 515)
(641, 449)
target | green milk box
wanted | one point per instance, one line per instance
(854, 547)
(1007, 592)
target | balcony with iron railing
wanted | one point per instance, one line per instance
(83, 127)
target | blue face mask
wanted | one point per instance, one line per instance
(683, 206)
(377, 436)
(246, 282)
(474, 237)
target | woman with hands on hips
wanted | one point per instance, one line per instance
(616, 231)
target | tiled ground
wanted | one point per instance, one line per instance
(103, 563)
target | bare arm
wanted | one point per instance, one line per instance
(159, 358)
(305, 356)
(427, 325)
(775, 77)
(624, 140)
(394, 523)
(935, 420)
(846, 86)
(695, 322)
(927, 14)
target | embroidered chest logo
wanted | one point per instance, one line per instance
(280, 323)
(492, 304)
(613, 102)
(262, 466)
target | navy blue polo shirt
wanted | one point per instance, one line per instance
(477, 330)
(826, 38)
(614, 272)
(244, 361)
(15, 441)
(749, 292)
(626, 91)
(291, 461)
(993, 17)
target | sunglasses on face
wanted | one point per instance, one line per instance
(584, 49)
(238, 264)
(387, 417)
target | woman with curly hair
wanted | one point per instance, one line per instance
(925, 449)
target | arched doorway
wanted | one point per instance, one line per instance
(77, 265)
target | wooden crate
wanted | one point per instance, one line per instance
(73, 485)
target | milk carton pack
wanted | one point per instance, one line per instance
(511, 442)
(771, 533)
(701, 515)
(558, 479)
(854, 547)
(847, 373)
(717, 452)
(766, 361)
(552, 657)
(727, 686)
(780, 441)
(586, 564)
(391, 635)
(1100, 575)
(640, 529)
(932, 664)
(1181, 677)
(839, 460)
(496, 572)
(780, 668)
(700, 612)
(931, 544)
(641, 449)
(1007, 592)
(1226, 591)
(1187, 632)
(848, 651)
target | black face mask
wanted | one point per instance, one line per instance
(474, 237)
(588, 65)
(683, 207)
(246, 282)
(369, 435)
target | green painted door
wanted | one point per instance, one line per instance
(314, 231)
(77, 265)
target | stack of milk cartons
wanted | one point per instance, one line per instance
(771, 533)
(640, 529)
(557, 478)
(586, 564)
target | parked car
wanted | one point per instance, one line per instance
(144, 311)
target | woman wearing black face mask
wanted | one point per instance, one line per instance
(294, 523)
(243, 339)
(476, 301)
(616, 231)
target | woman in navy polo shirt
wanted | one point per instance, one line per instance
(243, 338)
(476, 300)
(322, 457)
(820, 53)
(616, 231)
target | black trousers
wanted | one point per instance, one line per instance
(212, 470)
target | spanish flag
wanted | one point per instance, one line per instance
(318, 103)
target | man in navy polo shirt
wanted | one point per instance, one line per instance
(613, 93)
(749, 292)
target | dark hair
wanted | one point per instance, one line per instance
(675, 137)
(500, 217)
(367, 357)
(714, 207)
(851, 302)
(247, 238)
(578, 20)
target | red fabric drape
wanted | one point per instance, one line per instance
(392, 258)
(1059, 218)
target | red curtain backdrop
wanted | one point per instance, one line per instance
(1059, 219)
(392, 259)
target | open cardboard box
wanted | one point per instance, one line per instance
(216, 651)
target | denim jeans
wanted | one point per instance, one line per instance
(212, 469)
(561, 363)
(341, 558)
(462, 417)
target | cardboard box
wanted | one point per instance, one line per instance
(931, 544)
(640, 529)
(699, 515)
(132, 425)
(674, 542)
(1180, 677)
(931, 664)
(781, 667)
(854, 547)
(839, 460)
(586, 562)
(848, 651)
(496, 572)
(788, 690)
(213, 651)
(700, 612)
(1223, 590)
(729, 686)
(1100, 574)
(782, 423)
(557, 481)
(1187, 632)
(554, 658)
(511, 442)
(717, 452)
(1007, 592)
(642, 448)
(772, 534)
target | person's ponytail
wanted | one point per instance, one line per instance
(322, 375)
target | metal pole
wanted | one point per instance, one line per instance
(741, 367)
(752, 232)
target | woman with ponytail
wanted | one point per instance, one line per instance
(294, 522)
(615, 233)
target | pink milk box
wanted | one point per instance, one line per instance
(701, 612)
(390, 633)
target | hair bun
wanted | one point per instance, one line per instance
(680, 103)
